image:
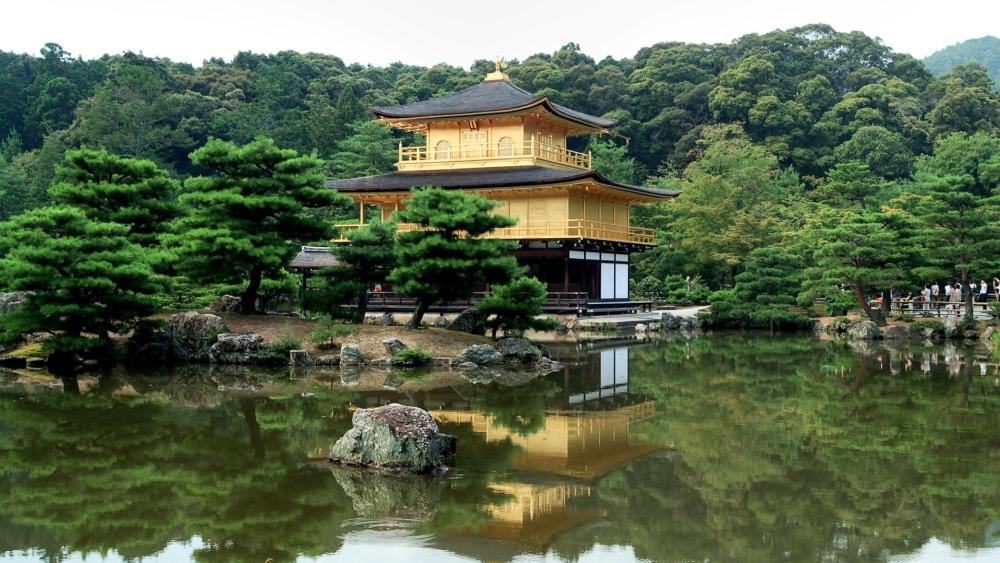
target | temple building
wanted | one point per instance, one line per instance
(495, 139)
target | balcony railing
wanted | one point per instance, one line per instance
(494, 151)
(552, 229)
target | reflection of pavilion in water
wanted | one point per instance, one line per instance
(584, 436)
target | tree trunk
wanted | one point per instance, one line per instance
(359, 315)
(248, 301)
(967, 295)
(249, 409)
(887, 304)
(418, 314)
(863, 303)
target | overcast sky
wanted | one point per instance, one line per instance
(457, 32)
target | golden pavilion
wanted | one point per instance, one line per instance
(500, 141)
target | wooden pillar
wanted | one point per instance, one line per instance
(566, 274)
(361, 211)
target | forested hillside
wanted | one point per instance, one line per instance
(792, 140)
(984, 51)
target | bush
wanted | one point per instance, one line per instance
(933, 324)
(329, 331)
(411, 357)
(649, 288)
(994, 310)
(285, 344)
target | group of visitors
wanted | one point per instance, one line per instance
(952, 295)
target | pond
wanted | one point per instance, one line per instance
(726, 447)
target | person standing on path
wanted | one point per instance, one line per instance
(935, 294)
(925, 296)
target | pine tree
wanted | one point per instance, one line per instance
(248, 220)
(861, 253)
(87, 280)
(368, 258)
(769, 285)
(447, 258)
(958, 232)
(516, 306)
(369, 150)
(109, 188)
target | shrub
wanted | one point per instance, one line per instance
(994, 310)
(649, 288)
(285, 344)
(411, 357)
(329, 331)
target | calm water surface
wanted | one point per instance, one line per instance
(729, 447)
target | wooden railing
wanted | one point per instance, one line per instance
(495, 151)
(556, 300)
(552, 229)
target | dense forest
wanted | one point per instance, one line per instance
(983, 50)
(787, 145)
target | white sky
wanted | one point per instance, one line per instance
(457, 32)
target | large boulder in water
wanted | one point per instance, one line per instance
(394, 438)
(519, 351)
(480, 354)
(378, 496)
(900, 333)
(193, 334)
(236, 348)
(470, 321)
(863, 330)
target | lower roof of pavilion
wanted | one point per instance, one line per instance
(493, 178)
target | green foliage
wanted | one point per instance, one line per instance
(246, 221)
(764, 292)
(368, 151)
(861, 253)
(994, 311)
(983, 50)
(613, 162)
(516, 306)
(445, 259)
(285, 344)
(677, 290)
(108, 188)
(411, 357)
(649, 288)
(88, 280)
(367, 259)
(329, 331)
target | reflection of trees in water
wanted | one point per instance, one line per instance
(94, 472)
(520, 409)
(783, 460)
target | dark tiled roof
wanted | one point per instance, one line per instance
(313, 258)
(491, 96)
(482, 178)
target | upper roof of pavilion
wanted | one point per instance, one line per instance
(492, 97)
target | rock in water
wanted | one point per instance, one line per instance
(299, 358)
(899, 333)
(480, 354)
(393, 346)
(863, 330)
(394, 438)
(192, 334)
(519, 351)
(470, 321)
(350, 355)
(236, 348)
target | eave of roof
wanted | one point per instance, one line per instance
(485, 179)
(487, 98)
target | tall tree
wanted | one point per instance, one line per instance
(369, 150)
(447, 256)
(959, 230)
(87, 280)
(246, 221)
(861, 253)
(108, 188)
(367, 259)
